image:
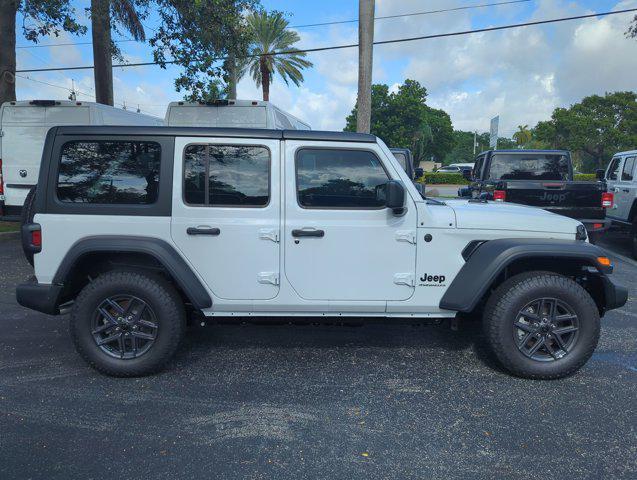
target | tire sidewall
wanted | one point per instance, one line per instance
(84, 311)
(571, 294)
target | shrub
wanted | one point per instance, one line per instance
(435, 178)
(585, 177)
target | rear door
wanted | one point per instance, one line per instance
(341, 243)
(226, 214)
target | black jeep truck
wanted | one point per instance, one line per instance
(540, 178)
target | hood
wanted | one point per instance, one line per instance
(509, 216)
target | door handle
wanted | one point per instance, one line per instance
(308, 233)
(203, 231)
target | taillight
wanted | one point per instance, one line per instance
(607, 199)
(499, 195)
(36, 238)
(1, 180)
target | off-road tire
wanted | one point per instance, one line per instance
(508, 299)
(158, 293)
(28, 212)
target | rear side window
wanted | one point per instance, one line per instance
(613, 169)
(226, 175)
(629, 167)
(333, 178)
(109, 172)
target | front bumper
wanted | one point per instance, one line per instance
(615, 296)
(41, 297)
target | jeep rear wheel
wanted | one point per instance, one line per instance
(541, 325)
(127, 323)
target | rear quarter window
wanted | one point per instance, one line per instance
(109, 172)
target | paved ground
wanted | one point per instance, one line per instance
(310, 402)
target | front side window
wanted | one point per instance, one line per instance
(226, 175)
(333, 178)
(109, 172)
(613, 169)
(529, 166)
(629, 166)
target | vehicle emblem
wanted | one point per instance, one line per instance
(23, 173)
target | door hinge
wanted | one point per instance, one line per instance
(408, 236)
(268, 277)
(404, 279)
(269, 234)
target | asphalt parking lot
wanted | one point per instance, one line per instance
(377, 401)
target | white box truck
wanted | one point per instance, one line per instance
(232, 114)
(23, 128)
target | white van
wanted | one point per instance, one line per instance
(233, 114)
(23, 128)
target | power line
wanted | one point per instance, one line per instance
(427, 12)
(354, 45)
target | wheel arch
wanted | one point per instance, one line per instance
(93, 255)
(492, 262)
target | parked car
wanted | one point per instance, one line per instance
(136, 228)
(23, 127)
(406, 160)
(622, 182)
(541, 178)
(456, 168)
(233, 114)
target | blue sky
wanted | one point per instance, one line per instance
(521, 74)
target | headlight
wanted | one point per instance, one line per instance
(580, 233)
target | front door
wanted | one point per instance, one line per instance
(226, 214)
(341, 243)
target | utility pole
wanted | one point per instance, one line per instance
(475, 142)
(365, 62)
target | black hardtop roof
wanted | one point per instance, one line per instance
(216, 132)
(522, 150)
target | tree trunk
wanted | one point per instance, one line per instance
(365, 62)
(8, 10)
(102, 52)
(265, 79)
(232, 77)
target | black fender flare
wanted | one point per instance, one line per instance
(489, 260)
(159, 249)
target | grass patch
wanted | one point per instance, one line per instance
(9, 227)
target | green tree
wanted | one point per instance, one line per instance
(194, 34)
(632, 29)
(596, 127)
(39, 18)
(215, 91)
(269, 33)
(403, 119)
(523, 135)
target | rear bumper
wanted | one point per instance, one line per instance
(597, 225)
(41, 297)
(615, 295)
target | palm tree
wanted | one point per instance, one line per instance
(523, 135)
(103, 14)
(269, 33)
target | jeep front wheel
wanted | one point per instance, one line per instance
(127, 323)
(541, 325)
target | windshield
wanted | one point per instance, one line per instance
(535, 166)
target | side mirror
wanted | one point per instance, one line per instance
(600, 174)
(395, 197)
(419, 173)
(467, 174)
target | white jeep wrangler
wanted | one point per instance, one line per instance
(136, 228)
